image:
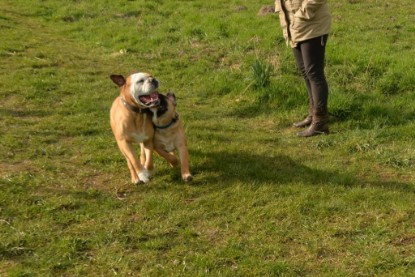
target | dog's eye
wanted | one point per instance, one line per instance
(140, 81)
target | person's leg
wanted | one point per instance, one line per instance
(313, 53)
(300, 64)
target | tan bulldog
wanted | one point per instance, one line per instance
(131, 122)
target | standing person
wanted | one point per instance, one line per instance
(306, 25)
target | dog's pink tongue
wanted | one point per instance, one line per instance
(147, 99)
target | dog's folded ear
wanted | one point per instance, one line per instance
(172, 97)
(119, 80)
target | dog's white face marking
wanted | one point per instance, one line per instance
(142, 84)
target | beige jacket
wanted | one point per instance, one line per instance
(303, 19)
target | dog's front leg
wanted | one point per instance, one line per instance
(142, 154)
(147, 149)
(138, 172)
(170, 158)
(133, 172)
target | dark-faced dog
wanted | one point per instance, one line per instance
(169, 134)
(131, 121)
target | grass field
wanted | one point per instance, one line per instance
(263, 201)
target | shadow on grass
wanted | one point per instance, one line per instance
(24, 113)
(228, 167)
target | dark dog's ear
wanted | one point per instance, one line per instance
(119, 80)
(172, 97)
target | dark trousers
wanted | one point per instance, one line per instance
(309, 56)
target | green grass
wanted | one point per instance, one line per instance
(263, 202)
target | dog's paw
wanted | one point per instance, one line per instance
(187, 178)
(144, 176)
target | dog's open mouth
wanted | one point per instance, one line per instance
(150, 100)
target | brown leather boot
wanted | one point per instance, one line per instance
(319, 125)
(304, 123)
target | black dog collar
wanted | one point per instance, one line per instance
(174, 120)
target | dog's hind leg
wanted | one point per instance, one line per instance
(184, 164)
